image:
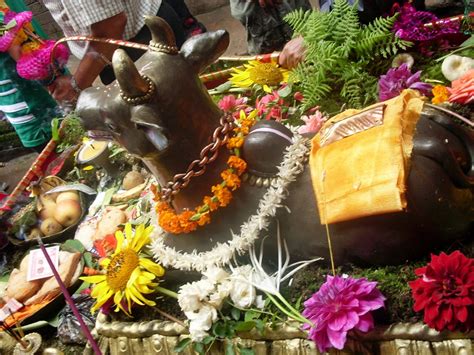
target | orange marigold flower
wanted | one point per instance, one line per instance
(169, 221)
(186, 224)
(232, 181)
(205, 219)
(223, 194)
(238, 164)
(162, 206)
(440, 94)
(235, 142)
(211, 204)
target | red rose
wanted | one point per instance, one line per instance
(445, 292)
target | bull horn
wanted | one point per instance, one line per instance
(134, 88)
(162, 36)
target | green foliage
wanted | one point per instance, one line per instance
(72, 133)
(342, 57)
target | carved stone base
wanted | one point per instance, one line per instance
(160, 337)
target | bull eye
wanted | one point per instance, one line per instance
(111, 126)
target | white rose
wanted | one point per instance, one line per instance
(191, 295)
(216, 274)
(201, 322)
(242, 293)
(217, 298)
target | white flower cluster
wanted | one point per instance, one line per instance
(291, 166)
(201, 300)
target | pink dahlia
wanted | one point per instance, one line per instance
(230, 103)
(444, 291)
(340, 305)
(398, 79)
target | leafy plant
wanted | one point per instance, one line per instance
(72, 133)
(343, 57)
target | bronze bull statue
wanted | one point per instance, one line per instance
(163, 114)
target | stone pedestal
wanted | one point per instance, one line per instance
(160, 337)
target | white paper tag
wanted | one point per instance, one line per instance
(38, 267)
(9, 308)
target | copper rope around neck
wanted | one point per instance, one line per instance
(197, 167)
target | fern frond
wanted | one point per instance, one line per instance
(298, 20)
(377, 39)
(344, 25)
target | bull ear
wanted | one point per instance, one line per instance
(203, 50)
(131, 83)
(161, 32)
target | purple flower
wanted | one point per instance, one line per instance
(410, 25)
(341, 304)
(398, 79)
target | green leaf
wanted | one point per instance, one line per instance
(219, 330)
(229, 348)
(55, 129)
(183, 344)
(195, 217)
(285, 92)
(54, 321)
(199, 348)
(246, 351)
(235, 313)
(74, 245)
(250, 315)
(468, 42)
(207, 340)
(260, 325)
(88, 259)
(244, 326)
(298, 302)
(223, 87)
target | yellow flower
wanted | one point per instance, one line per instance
(128, 275)
(263, 74)
(440, 94)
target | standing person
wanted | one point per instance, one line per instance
(26, 104)
(191, 25)
(119, 19)
(263, 21)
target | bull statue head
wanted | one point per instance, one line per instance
(158, 107)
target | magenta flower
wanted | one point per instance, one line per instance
(340, 305)
(410, 25)
(398, 79)
(313, 123)
(230, 103)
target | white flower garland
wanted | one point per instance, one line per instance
(291, 166)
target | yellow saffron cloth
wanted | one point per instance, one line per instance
(364, 174)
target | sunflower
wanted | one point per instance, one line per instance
(263, 74)
(127, 274)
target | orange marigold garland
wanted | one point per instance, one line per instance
(188, 221)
